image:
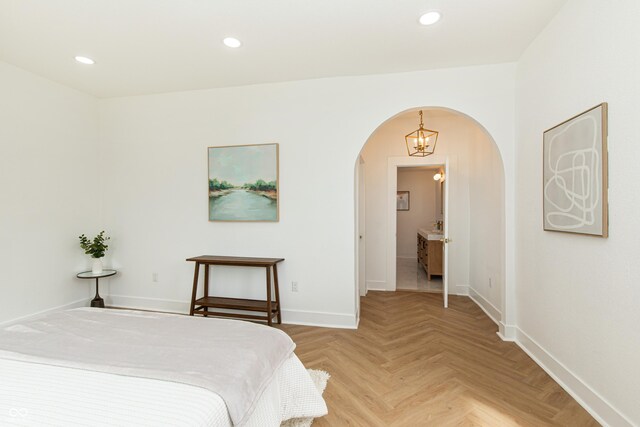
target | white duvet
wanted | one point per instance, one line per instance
(43, 395)
(234, 359)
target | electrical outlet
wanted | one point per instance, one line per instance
(154, 277)
(294, 286)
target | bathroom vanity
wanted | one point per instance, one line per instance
(430, 252)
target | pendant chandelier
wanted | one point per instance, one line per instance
(421, 142)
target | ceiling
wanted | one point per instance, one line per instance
(154, 46)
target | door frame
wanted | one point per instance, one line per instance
(361, 227)
(360, 250)
(393, 163)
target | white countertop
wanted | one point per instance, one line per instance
(430, 234)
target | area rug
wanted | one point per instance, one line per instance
(320, 379)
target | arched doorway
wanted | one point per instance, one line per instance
(477, 220)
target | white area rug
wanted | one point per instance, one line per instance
(320, 379)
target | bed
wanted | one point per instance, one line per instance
(104, 367)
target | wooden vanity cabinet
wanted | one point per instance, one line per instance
(434, 252)
(422, 252)
(430, 256)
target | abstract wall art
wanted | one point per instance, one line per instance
(243, 183)
(575, 174)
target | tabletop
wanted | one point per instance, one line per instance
(235, 260)
(92, 275)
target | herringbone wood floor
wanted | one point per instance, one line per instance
(413, 363)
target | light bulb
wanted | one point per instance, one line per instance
(85, 60)
(430, 18)
(232, 42)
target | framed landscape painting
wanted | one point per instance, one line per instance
(243, 183)
(575, 174)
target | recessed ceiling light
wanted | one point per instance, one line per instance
(232, 42)
(430, 18)
(85, 60)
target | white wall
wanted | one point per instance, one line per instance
(50, 189)
(422, 208)
(578, 296)
(486, 228)
(154, 157)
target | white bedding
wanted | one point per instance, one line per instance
(234, 359)
(43, 395)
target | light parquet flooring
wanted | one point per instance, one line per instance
(413, 363)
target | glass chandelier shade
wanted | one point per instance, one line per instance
(421, 142)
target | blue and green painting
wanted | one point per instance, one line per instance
(243, 183)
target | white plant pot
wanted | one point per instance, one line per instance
(96, 267)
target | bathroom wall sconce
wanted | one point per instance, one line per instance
(438, 177)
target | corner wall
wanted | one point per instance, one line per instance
(50, 187)
(578, 296)
(486, 225)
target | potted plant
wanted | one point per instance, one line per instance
(96, 249)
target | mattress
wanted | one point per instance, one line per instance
(36, 394)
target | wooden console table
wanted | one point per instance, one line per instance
(269, 307)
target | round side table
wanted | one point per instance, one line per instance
(97, 301)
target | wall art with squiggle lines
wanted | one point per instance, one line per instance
(575, 174)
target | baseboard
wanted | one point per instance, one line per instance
(490, 309)
(291, 317)
(506, 332)
(144, 303)
(84, 302)
(376, 285)
(462, 290)
(588, 398)
(319, 318)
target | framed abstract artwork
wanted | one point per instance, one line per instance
(243, 183)
(402, 201)
(575, 171)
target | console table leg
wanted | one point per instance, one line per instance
(206, 286)
(275, 284)
(269, 314)
(195, 288)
